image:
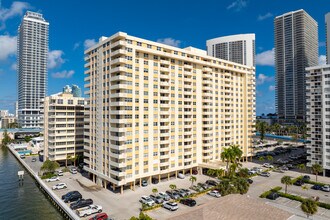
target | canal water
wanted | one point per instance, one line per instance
(21, 200)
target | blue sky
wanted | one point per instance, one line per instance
(75, 25)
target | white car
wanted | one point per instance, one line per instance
(326, 188)
(60, 173)
(181, 176)
(89, 210)
(147, 200)
(214, 193)
(267, 165)
(164, 196)
(172, 206)
(59, 186)
(53, 179)
(73, 171)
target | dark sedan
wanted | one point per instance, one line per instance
(188, 202)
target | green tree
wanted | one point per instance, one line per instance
(154, 190)
(270, 158)
(309, 206)
(286, 180)
(49, 166)
(316, 169)
(211, 172)
(301, 167)
(172, 186)
(227, 156)
(74, 159)
(6, 139)
(142, 216)
(261, 159)
(243, 172)
(219, 172)
(192, 179)
(27, 139)
(262, 130)
(241, 185)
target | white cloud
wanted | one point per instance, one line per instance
(265, 16)
(76, 45)
(237, 5)
(271, 88)
(266, 58)
(63, 74)
(8, 45)
(16, 8)
(169, 41)
(55, 58)
(89, 43)
(322, 60)
(262, 78)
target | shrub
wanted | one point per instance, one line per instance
(275, 189)
(47, 175)
(65, 170)
(315, 183)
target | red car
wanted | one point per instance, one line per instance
(101, 216)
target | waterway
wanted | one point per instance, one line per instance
(21, 200)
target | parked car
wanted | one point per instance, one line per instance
(188, 202)
(59, 186)
(298, 183)
(180, 192)
(250, 181)
(211, 182)
(100, 216)
(265, 174)
(154, 180)
(33, 159)
(306, 178)
(22, 156)
(53, 179)
(272, 196)
(172, 206)
(181, 176)
(326, 188)
(196, 188)
(316, 187)
(72, 196)
(73, 170)
(203, 185)
(81, 203)
(144, 183)
(89, 210)
(267, 165)
(284, 168)
(147, 200)
(164, 196)
(173, 194)
(157, 199)
(59, 173)
(187, 191)
(214, 193)
(194, 172)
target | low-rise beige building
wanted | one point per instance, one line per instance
(155, 110)
(63, 126)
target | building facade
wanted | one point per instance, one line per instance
(8, 121)
(327, 35)
(76, 91)
(63, 126)
(156, 110)
(318, 116)
(32, 50)
(296, 47)
(238, 48)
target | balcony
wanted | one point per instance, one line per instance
(207, 69)
(118, 60)
(119, 43)
(119, 86)
(118, 69)
(166, 62)
(187, 66)
(118, 77)
(118, 52)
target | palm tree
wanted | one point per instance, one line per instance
(154, 190)
(277, 128)
(192, 179)
(301, 167)
(287, 181)
(237, 153)
(244, 173)
(270, 158)
(172, 186)
(262, 130)
(226, 156)
(219, 172)
(211, 172)
(241, 185)
(309, 206)
(316, 169)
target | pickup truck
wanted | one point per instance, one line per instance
(89, 210)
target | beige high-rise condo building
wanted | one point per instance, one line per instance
(63, 125)
(318, 116)
(157, 110)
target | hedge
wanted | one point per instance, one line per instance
(315, 183)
